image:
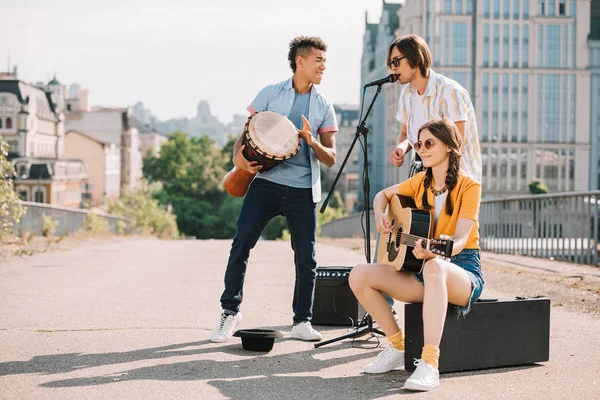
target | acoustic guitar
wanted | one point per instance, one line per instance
(409, 225)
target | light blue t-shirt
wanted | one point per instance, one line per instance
(296, 171)
(280, 98)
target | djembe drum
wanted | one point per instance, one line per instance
(269, 139)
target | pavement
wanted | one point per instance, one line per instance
(131, 318)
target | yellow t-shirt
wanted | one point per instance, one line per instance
(466, 198)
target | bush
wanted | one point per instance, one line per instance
(144, 213)
(49, 225)
(11, 207)
(96, 225)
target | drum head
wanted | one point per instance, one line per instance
(274, 134)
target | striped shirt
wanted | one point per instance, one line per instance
(443, 98)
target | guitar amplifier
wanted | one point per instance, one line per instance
(335, 304)
(495, 333)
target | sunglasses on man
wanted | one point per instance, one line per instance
(395, 62)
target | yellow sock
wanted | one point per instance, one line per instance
(431, 355)
(397, 340)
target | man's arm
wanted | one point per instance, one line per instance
(461, 125)
(402, 147)
(324, 150)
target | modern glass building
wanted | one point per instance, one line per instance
(532, 86)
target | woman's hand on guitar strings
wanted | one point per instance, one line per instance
(306, 132)
(383, 224)
(240, 162)
(421, 252)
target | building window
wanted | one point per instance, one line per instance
(506, 9)
(0, 123)
(551, 120)
(68, 107)
(23, 195)
(552, 46)
(486, 8)
(525, 61)
(516, 9)
(540, 60)
(485, 107)
(572, 46)
(486, 45)
(551, 7)
(515, 50)
(469, 6)
(448, 9)
(496, 45)
(541, 8)
(563, 109)
(525, 9)
(8, 123)
(39, 196)
(515, 108)
(505, 30)
(496, 9)
(459, 7)
(447, 37)
(459, 44)
(505, 107)
(572, 7)
(572, 91)
(561, 8)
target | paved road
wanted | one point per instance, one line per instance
(131, 319)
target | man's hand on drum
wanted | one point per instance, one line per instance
(240, 162)
(306, 132)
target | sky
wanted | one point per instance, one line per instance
(172, 54)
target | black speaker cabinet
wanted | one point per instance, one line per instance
(495, 333)
(335, 303)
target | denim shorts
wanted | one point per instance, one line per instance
(470, 261)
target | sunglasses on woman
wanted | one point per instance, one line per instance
(428, 144)
(395, 62)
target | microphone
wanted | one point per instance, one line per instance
(391, 78)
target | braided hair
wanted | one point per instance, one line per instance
(447, 133)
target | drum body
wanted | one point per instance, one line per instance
(269, 139)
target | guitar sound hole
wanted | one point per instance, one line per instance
(398, 236)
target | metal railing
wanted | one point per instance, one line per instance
(70, 220)
(561, 226)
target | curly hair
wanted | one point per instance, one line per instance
(447, 133)
(302, 46)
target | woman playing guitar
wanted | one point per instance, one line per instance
(453, 198)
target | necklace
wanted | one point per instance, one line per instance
(438, 192)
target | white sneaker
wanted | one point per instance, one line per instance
(305, 331)
(226, 328)
(390, 358)
(425, 377)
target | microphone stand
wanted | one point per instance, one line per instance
(366, 324)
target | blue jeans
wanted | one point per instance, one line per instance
(264, 201)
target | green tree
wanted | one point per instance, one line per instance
(191, 171)
(11, 207)
(537, 186)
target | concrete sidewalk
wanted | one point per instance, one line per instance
(132, 319)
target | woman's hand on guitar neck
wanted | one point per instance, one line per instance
(241, 163)
(383, 224)
(421, 252)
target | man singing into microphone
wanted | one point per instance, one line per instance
(292, 189)
(430, 96)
